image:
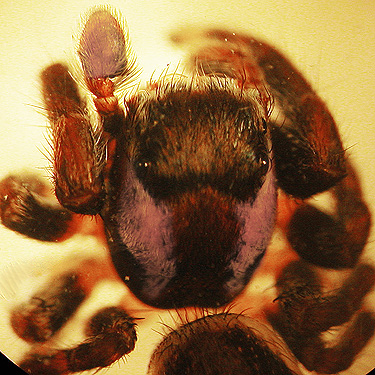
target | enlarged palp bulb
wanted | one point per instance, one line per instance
(104, 56)
(102, 47)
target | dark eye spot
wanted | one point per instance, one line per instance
(142, 168)
(263, 162)
(144, 164)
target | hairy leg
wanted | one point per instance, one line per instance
(110, 335)
(305, 312)
(78, 152)
(42, 316)
(26, 206)
(333, 240)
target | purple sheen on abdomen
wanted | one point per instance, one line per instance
(259, 220)
(145, 227)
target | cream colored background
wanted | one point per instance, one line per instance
(332, 42)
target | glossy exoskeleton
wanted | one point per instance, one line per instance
(188, 177)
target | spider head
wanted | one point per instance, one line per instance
(194, 195)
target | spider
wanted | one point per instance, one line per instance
(190, 178)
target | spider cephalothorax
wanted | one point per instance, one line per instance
(190, 178)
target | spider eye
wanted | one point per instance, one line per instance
(263, 162)
(144, 164)
(142, 168)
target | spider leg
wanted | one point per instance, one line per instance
(78, 149)
(305, 312)
(110, 335)
(26, 208)
(337, 240)
(38, 319)
(44, 314)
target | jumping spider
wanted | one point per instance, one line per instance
(190, 177)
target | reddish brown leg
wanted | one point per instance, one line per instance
(305, 312)
(48, 310)
(335, 241)
(308, 153)
(78, 151)
(38, 319)
(27, 208)
(111, 334)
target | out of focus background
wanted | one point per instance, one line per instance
(331, 42)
